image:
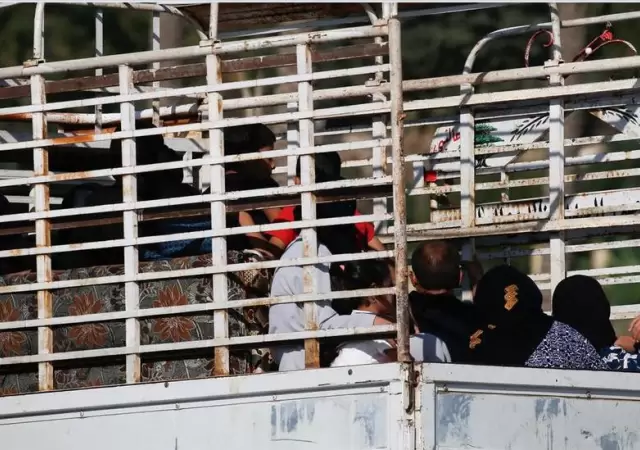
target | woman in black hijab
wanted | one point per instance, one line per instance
(580, 302)
(516, 332)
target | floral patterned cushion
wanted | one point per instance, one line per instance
(110, 298)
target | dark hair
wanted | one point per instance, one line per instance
(580, 302)
(339, 239)
(327, 167)
(247, 138)
(436, 265)
(361, 275)
(149, 150)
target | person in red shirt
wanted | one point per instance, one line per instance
(327, 169)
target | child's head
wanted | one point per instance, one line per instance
(368, 274)
(327, 167)
(436, 267)
(250, 139)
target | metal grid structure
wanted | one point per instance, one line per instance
(558, 219)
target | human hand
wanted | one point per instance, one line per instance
(627, 343)
(634, 328)
(381, 321)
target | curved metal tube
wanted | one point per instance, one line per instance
(38, 32)
(556, 24)
(371, 14)
(522, 29)
(149, 7)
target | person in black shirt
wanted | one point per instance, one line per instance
(436, 273)
(150, 185)
(239, 176)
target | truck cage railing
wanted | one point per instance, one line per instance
(474, 223)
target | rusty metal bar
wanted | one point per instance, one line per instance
(218, 208)
(197, 70)
(130, 223)
(153, 95)
(399, 195)
(43, 236)
(308, 203)
(176, 201)
(192, 51)
(209, 307)
(194, 272)
(253, 341)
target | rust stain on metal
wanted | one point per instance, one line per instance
(77, 139)
(220, 361)
(197, 70)
(234, 16)
(312, 353)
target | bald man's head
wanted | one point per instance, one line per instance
(436, 265)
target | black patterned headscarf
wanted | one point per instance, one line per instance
(580, 302)
(510, 307)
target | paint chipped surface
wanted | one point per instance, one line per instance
(519, 421)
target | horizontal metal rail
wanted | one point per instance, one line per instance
(194, 272)
(196, 308)
(201, 344)
(195, 51)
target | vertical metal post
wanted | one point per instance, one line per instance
(293, 142)
(38, 32)
(218, 209)
(308, 202)
(130, 224)
(99, 51)
(43, 233)
(379, 152)
(399, 195)
(379, 131)
(556, 160)
(155, 45)
(467, 183)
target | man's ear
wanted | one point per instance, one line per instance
(414, 280)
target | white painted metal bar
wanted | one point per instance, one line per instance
(218, 208)
(379, 153)
(99, 51)
(556, 160)
(467, 183)
(193, 90)
(191, 235)
(130, 223)
(194, 272)
(194, 51)
(43, 236)
(308, 203)
(155, 45)
(18, 177)
(188, 309)
(175, 201)
(201, 344)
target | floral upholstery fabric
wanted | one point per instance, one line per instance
(100, 335)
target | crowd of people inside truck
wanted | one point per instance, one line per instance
(504, 325)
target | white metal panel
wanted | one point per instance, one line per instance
(330, 408)
(517, 408)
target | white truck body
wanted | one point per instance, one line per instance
(359, 408)
(397, 406)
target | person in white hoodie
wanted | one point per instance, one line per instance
(369, 274)
(365, 275)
